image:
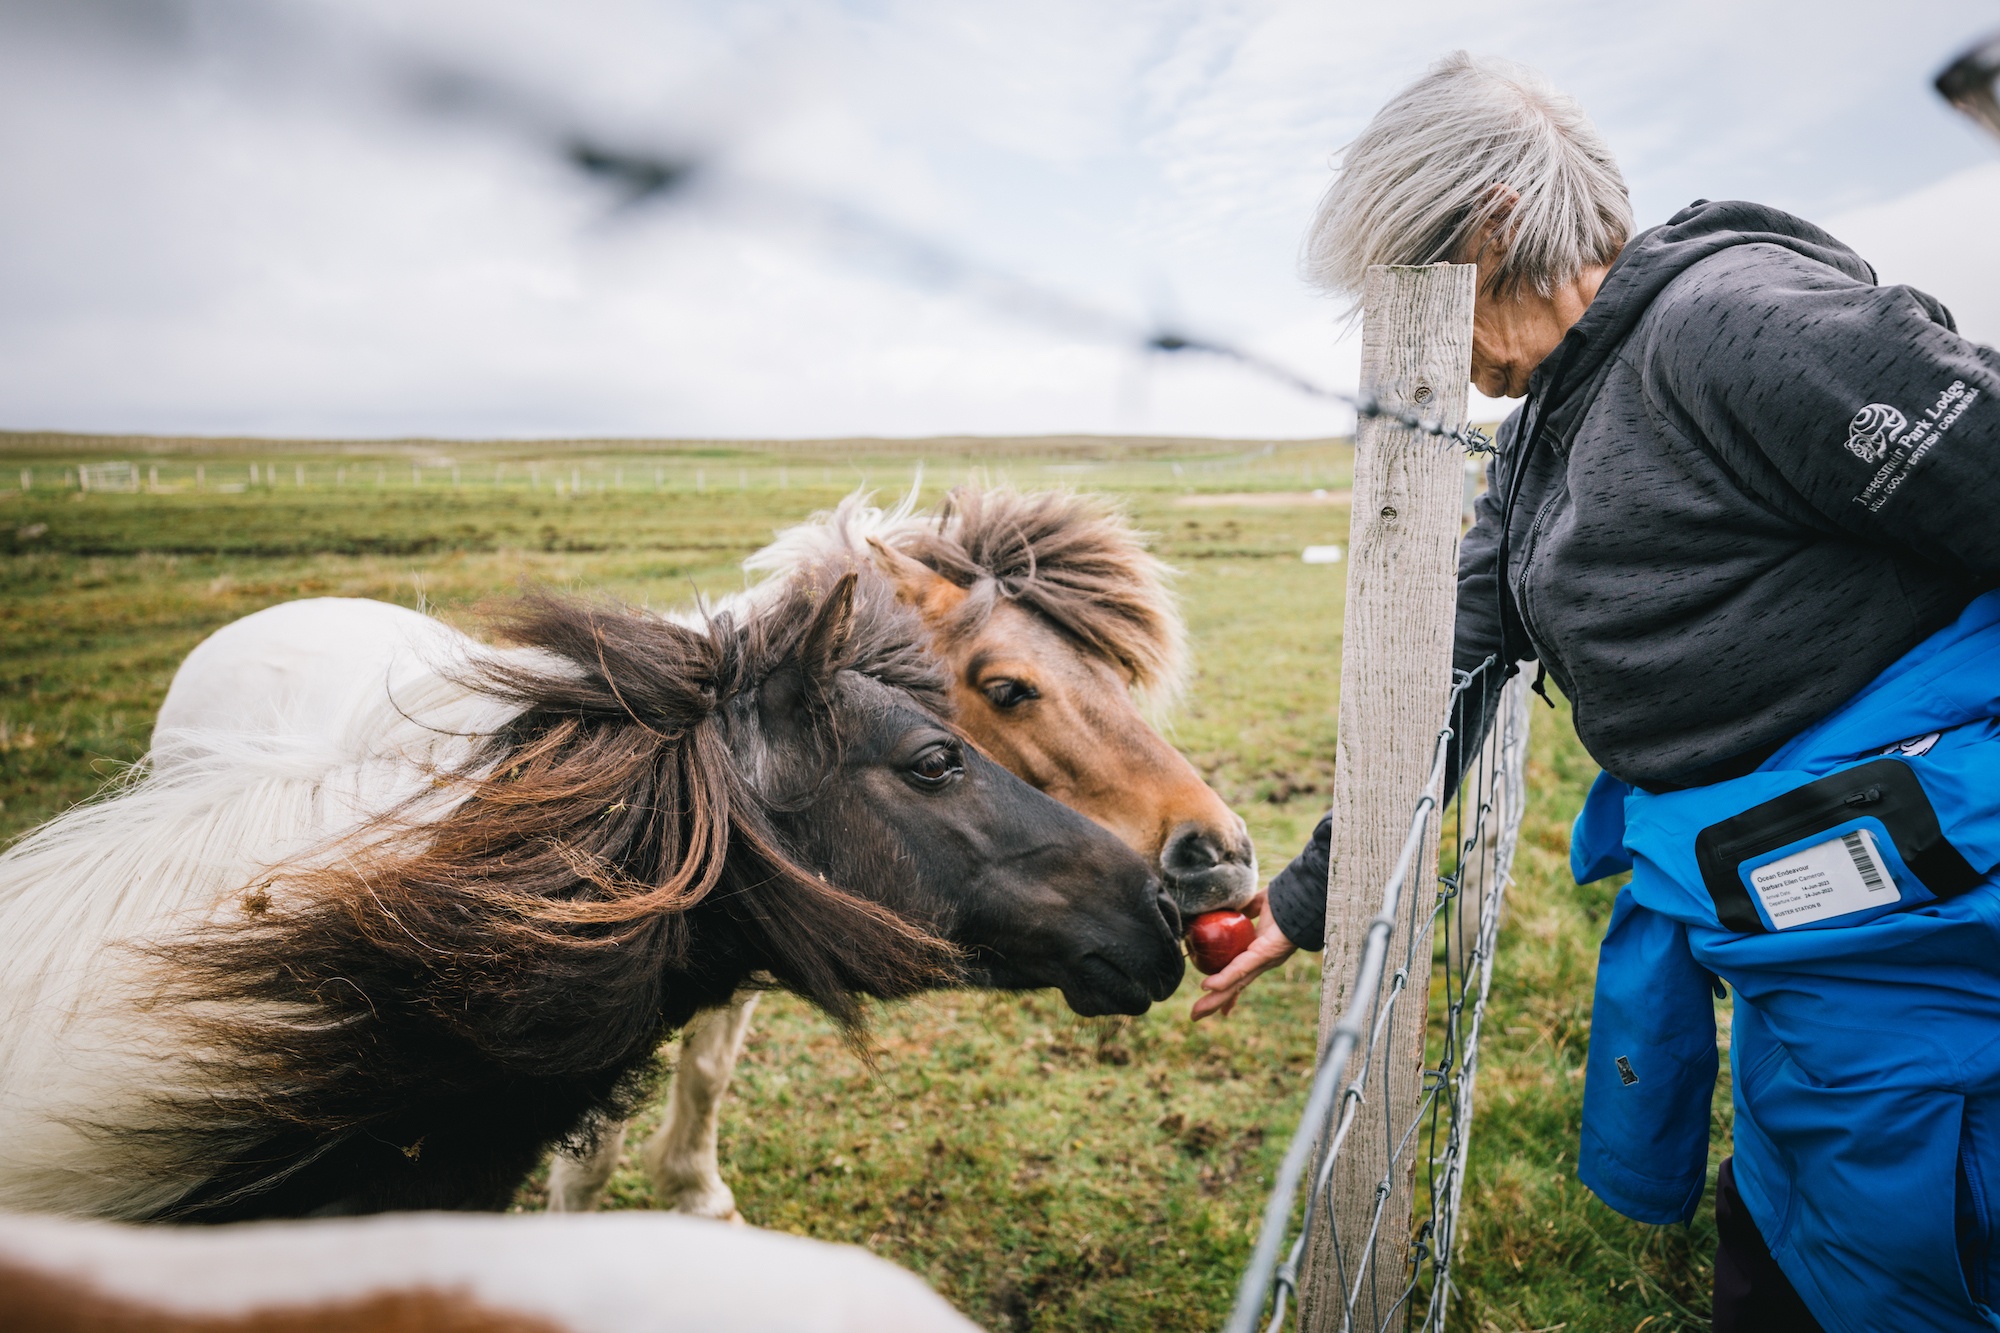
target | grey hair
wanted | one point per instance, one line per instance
(1435, 164)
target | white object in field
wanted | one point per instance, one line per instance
(1321, 555)
(610, 1273)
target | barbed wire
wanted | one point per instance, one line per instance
(1490, 800)
(1471, 439)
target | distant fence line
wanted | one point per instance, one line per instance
(1303, 467)
(58, 443)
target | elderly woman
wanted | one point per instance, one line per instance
(1747, 520)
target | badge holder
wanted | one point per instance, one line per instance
(1837, 875)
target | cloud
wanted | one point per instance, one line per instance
(226, 236)
(1940, 239)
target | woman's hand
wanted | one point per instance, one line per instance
(1269, 949)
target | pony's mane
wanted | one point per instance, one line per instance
(1069, 558)
(533, 932)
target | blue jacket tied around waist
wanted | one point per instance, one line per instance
(1863, 947)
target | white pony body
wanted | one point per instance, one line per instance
(619, 1273)
(265, 757)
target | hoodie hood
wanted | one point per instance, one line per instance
(1658, 255)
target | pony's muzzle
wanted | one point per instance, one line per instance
(1206, 868)
(1131, 971)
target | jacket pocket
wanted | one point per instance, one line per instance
(1885, 791)
(1754, 1090)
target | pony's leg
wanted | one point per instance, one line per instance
(681, 1155)
(576, 1180)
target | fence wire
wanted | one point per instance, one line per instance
(1454, 938)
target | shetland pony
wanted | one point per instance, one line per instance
(381, 955)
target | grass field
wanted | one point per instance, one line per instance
(1045, 1172)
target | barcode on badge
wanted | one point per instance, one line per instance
(1863, 856)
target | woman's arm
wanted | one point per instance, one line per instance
(1298, 894)
(1295, 911)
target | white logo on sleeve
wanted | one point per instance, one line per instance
(1895, 445)
(1874, 428)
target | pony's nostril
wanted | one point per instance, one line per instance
(1190, 850)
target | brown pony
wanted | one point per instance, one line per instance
(1049, 619)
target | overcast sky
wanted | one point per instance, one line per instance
(233, 217)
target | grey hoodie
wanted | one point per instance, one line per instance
(1743, 484)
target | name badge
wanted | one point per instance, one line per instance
(1832, 878)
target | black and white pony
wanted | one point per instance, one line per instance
(381, 950)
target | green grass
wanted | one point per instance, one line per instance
(1042, 1170)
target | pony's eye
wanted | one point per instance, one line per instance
(1005, 694)
(937, 766)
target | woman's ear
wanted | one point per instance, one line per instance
(1494, 235)
(917, 585)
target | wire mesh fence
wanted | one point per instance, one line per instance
(1382, 1286)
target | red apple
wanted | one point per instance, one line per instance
(1215, 938)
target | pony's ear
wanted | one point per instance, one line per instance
(832, 624)
(804, 675)
(917, 585)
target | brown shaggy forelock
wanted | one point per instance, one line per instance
(538, 928)
(614, 799)
(1069, 559)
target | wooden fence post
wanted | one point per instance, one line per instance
(1395, 682)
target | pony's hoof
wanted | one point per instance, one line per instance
(715, 1205)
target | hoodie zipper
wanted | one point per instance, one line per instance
(1523, 602)
(1519, 587)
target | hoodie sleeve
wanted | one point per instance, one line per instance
(1839, 403)
(1298, 893)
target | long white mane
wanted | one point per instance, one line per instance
(839, 534)
(190, 837)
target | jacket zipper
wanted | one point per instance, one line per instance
(1835, 809)
(1522, 602)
